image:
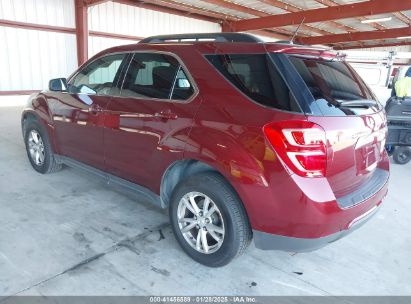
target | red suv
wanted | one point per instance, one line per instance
(239, 139)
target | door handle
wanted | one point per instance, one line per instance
(166, 115)
(95, 109)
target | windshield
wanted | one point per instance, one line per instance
(336, 87)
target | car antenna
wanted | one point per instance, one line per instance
(296, 31)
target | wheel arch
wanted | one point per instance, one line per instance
(31, 114)
(28, 115)
(178, 171)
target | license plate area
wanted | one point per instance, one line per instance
(368, 151)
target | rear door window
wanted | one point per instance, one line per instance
(256, 76)
(156, 75)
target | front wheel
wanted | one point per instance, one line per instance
(402, 155)
(38, 148)
(209, 220)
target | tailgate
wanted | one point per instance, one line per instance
(355, 149)
(355, 126)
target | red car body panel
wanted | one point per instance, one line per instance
(138, 140)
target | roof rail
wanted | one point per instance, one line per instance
(216, 37)
(284, 42)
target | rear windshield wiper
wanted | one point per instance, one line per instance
(361, 103)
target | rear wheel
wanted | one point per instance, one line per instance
(38, 148)
(209, 220)
(402, 155)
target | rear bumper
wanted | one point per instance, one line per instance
(302, 214)
(267, 241)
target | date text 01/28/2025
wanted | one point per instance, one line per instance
(203, 299)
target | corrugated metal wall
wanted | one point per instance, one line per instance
(50, 12)
(29, 58)
(122, 19)
(118, 18)
(97, 44)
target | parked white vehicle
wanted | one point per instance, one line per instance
(375, 75)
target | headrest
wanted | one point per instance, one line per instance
(240, 77)
(163, 77)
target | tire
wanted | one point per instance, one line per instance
(37, 140)
(402, 155)
(228, 223)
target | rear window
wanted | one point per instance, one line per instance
(336, 88)
(256, 76)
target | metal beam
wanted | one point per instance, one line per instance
(179, 9)
(237, 7)
(367, 8)
(251, 11)
(115, 36)
(94, 2)
(292, 8)
(358, 36)
(282, 5)
(404, 18)
(81, 31)
(173, 7)
(367, 46)
(38, 27)
(278, 34)
(333, 3)
(271, 34)
(63, 30)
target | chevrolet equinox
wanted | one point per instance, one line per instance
(237, 138)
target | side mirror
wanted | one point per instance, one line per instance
(58, 85)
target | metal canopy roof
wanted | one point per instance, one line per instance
(337, 23)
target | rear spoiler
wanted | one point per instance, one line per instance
(306, 51)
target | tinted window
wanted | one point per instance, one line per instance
(256, 76)
(98, 77)
(153, 75)
(335, 87)
(182, 87)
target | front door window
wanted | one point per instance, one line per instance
(98, 77)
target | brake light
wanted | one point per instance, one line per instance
(301, 145)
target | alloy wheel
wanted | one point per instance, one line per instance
(36, 147)
(200, 222)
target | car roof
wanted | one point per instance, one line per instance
(219, 43)
(221, 48)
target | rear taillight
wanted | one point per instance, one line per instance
(301, 145)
